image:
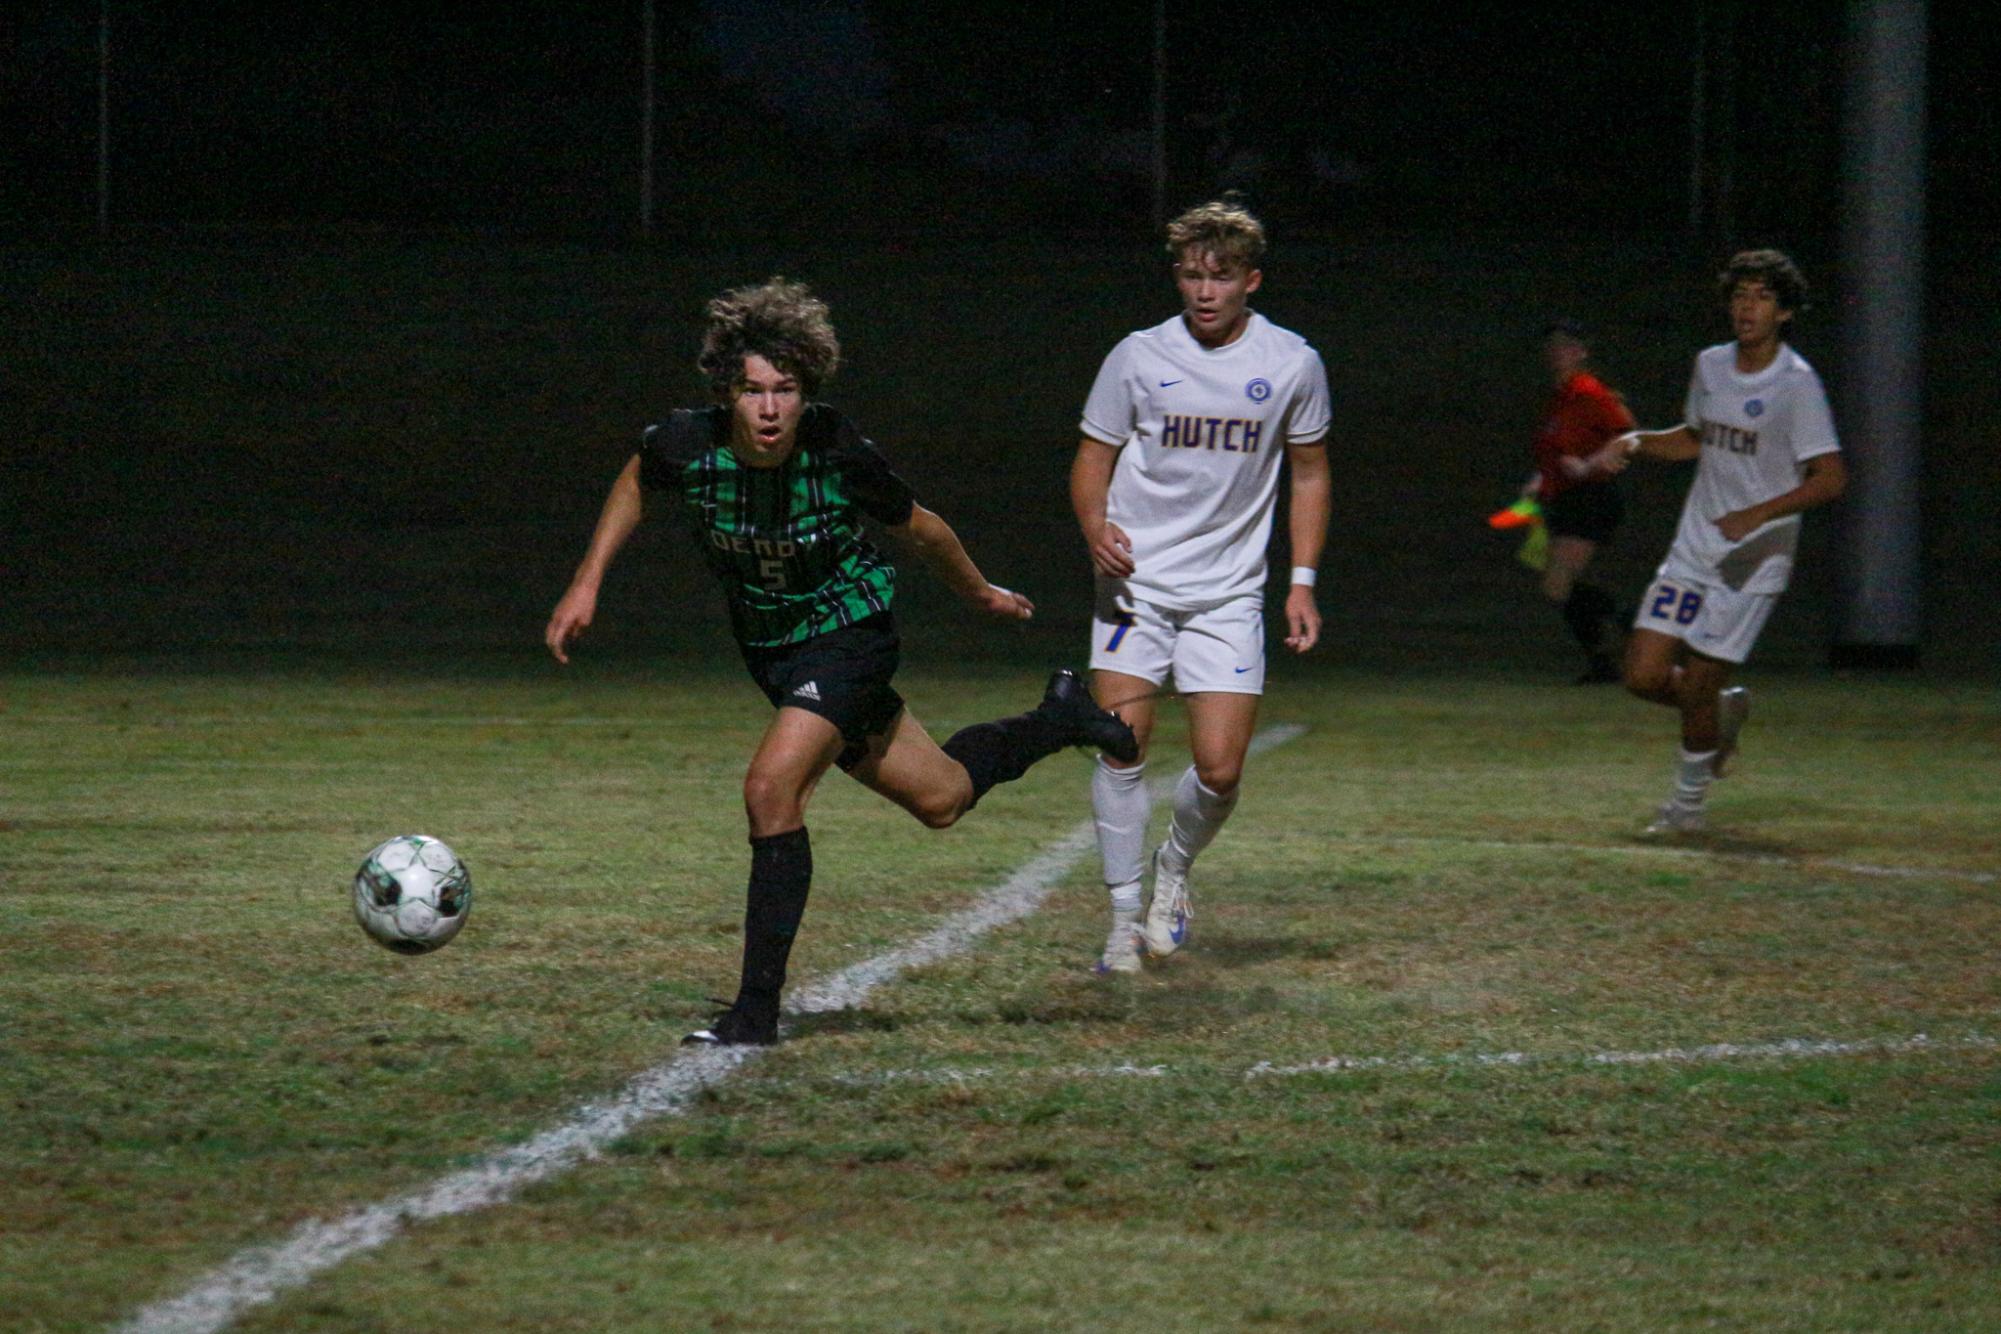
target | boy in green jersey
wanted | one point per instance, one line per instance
(777, 487)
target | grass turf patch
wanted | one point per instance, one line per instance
(203, 1051)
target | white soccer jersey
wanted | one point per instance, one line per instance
(1200, 433)
(1756, 432)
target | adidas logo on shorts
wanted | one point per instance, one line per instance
(810, 690)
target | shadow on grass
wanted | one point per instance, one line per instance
(1233, 952)
(1726, 843)
(1104, 1002)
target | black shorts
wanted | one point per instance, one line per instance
(1590, 510)
(842, 675)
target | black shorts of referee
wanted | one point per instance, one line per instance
(1590, 510)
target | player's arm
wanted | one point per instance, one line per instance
(1824, 477)
(1671, 445)
(1312, 507)
(1610, 420)
(934, 542)
(1090, 487)
(579, 604)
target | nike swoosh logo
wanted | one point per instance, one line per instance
(1242, 670)
(1165, 383)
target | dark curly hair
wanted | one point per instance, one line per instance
(780, 321)
(1773, 268)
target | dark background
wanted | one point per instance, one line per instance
(373, 321)
(850, 114)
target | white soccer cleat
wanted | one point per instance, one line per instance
(1167, 913)
(1121, 950)
(1733, 706)
(1675, 818)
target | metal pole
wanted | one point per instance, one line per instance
(1698, 107)
(1882, 327)
(1159, 112)
(646, 122)
(1723, 183)
(104, 117)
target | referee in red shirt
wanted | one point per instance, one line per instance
(1581, 509)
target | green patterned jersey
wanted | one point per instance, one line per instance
(786, 543)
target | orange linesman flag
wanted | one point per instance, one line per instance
(1518, 515)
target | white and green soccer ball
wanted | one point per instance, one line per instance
(412, 894)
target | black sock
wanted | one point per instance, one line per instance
(781, 871)
(1002, 750)
(1586, 612)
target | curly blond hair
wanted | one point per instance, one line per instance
(782, 322)
(1223, 228)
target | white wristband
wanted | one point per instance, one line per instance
(1304, 574)
(1632, 443)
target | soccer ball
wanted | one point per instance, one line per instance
(412, 894)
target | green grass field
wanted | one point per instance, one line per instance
(1451, 1049)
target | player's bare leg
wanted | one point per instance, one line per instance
(1220, 725)
(907, 766)
(1697, 683)
(1568, 556)
(1587, 610)
(1701, 683)
(795, 752)
(938, 784)
(1132, 698)
(1122, 808)
(1653, 667)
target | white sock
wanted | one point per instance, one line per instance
(1692, 777)
(1122, 807)
(1198, 814)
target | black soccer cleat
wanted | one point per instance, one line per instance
(737, 1026)
(1068, 701)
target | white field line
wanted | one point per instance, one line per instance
(262, 1273)
(1710, 1054)
(1684, 853)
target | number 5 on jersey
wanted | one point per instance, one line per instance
(772, 572)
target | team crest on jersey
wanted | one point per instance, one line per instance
(1258, 390)
(1754, 407)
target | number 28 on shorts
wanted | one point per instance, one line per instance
(1671, 603)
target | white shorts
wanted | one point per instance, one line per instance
(1712, 619)
(1218, 648)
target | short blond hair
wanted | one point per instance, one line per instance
(1222, 228)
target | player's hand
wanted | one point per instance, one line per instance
(1004, 603)
(1111, 552)
(1302, 618)
(573, 616)
(1614, 458)
(1737, 525)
